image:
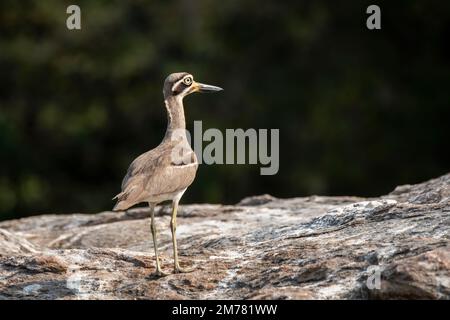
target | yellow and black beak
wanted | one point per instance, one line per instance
(201, 87)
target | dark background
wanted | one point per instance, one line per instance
(359, 111)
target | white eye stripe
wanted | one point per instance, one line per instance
(176, 84)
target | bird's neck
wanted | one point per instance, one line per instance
(176, 124)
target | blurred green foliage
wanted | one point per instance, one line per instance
(359, 111)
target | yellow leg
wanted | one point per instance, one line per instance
(173, 227)
(158, 272)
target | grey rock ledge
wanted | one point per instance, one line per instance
(262, 248)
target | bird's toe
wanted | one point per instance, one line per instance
(178, 269)
(158, 274)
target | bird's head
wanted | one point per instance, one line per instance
(182, 84)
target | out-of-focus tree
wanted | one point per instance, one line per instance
(359, 111)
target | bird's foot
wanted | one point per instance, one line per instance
(178, 269)
(159, 274)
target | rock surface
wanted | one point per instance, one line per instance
(261, 248)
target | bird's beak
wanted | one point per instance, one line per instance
(201, 87)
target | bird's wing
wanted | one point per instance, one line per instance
(154, 173)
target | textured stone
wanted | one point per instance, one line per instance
(261, 248)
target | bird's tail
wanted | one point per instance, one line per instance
(120, 205)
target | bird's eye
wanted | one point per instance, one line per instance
(187, 81)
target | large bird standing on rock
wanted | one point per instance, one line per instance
(165, 172)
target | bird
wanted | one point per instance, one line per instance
(165, 172)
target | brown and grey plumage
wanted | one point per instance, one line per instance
(165, 172)
(153, 175)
